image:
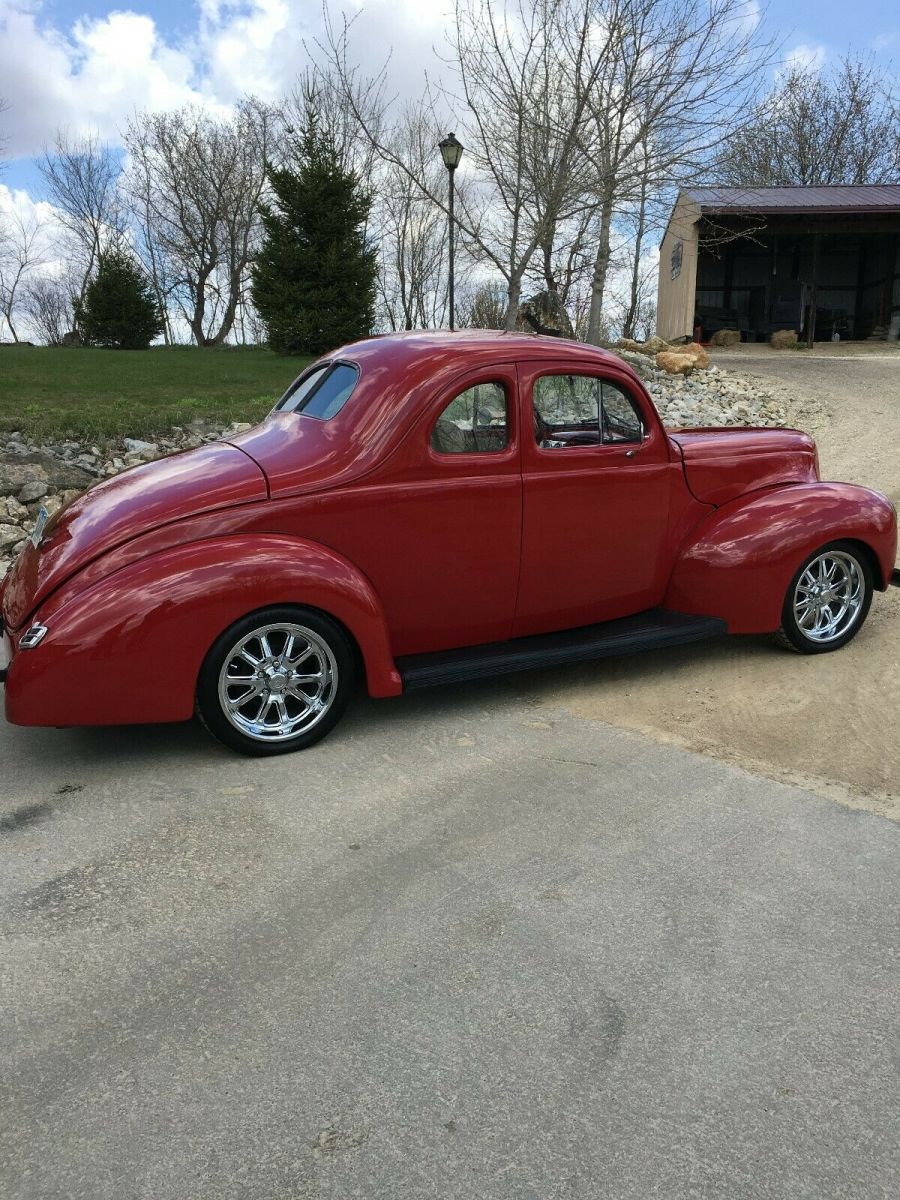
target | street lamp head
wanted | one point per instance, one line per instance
(451, 151)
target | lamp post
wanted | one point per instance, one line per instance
(451, 152)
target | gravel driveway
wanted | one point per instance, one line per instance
(829, 721)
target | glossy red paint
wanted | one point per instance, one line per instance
(143, 632)
(738, 562)
(213, 477)
(720, 464)
(581, 562)
(413, 551)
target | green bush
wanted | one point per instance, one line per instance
(314, 276)
(119, 308)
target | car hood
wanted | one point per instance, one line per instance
(118, 509)
(722, 464)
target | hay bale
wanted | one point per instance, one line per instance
(725, 337)
(784, 339)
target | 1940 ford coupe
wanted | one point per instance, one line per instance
(420, 509)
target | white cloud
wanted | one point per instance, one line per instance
(94, 74)
(806, 55)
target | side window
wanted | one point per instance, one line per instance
(474, 422)
(621, 420)
(323, 393)
(566, 411)
(582, 410)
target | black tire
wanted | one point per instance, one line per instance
(793, 637)
(219, 691)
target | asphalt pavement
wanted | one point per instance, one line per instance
(469, 947)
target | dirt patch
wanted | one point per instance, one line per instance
(830, 721)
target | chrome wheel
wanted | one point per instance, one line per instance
(277, 682)
(828, 596)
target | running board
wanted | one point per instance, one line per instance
(646, 631)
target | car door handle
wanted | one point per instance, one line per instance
(630, 453)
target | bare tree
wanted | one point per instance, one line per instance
(195, 190)
(21, 251)
(49, 303)
(819, 126)
(410, 229)
(680, 74)
(482, 307)
(521, 76)
(82, 180)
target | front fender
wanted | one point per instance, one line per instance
(128, 648)
(737, 564)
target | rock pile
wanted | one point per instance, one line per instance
(712, 397)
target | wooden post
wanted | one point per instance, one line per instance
(811, 332)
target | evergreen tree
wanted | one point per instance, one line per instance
(314, 276)
(119, 308)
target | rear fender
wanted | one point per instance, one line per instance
(128, 649)
(737, 564)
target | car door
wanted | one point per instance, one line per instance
(596, 477)
(438, 530)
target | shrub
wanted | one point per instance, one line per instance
(314, 276)
(119, 308)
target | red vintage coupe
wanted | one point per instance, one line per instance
(420, 509)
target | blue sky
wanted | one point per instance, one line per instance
(88, 63)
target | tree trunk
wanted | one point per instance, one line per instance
(196, 321)
(227, 322)
(634, 299)
(601, 270)
(513, 292)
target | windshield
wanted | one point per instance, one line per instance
(322, 393)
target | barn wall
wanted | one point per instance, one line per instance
(675, 297)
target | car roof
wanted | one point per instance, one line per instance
(464, 346)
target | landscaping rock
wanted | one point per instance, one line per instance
(674, 363)
(136, 446)
(544, 312)
(10, 535)
(33, 490)
(63, 476)
(14, 476)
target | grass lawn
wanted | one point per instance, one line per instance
(91, 393)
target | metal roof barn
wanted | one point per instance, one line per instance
(823, 261)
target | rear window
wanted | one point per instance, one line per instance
(323, 393)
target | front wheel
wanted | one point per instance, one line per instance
(827, 600)
(276, 681)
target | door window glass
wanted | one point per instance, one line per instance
(582, 410)
(474, 422)
(621, 420)
(566, 411)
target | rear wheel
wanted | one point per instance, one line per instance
(827, 600)
(276, 681)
